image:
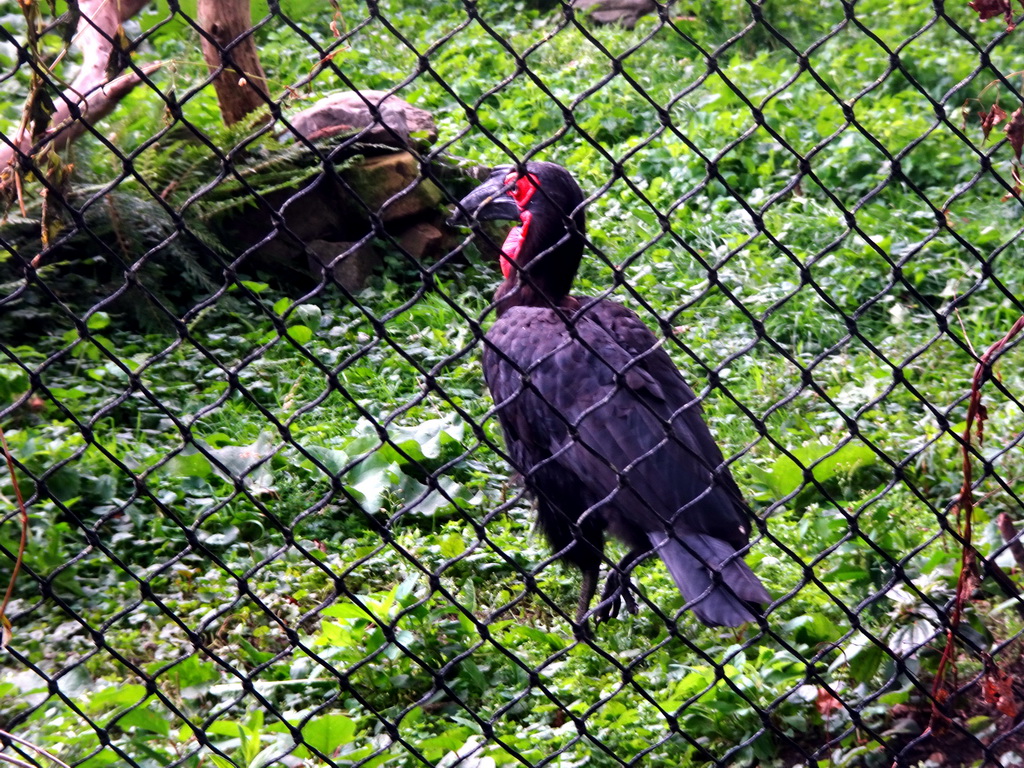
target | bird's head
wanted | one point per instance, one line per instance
(547, 244)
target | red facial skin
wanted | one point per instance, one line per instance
(522, 193)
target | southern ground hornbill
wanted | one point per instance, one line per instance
(604, 430)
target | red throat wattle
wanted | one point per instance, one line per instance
(514, 243)
(522, 193)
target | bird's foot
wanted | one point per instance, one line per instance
(582, 632)
(616, 593)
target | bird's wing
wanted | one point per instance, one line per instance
(526, 355)
(637, 339)
(601, 403)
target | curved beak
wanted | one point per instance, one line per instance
(490, 201)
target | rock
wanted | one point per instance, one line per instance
(349, 113)
(422, 241)
(310, 212)
(351, 265)
(323, 215)
(624, 12)
(390, 186)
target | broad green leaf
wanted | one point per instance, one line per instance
(423, 440)
(308, 315)
(811, 628)
(452, 546)
(104, 758)
(865, 663)
(436, 746)
(300, 334)
(370, 479)
(786, 476)
(334, 460)
(248, 462)
(328, 732)
(97, 321)
(119, 696)
(224, 728)
(147, 720)
(406, 589)
(269, 755)
(345, 611)
(192, 672)
(192, 464)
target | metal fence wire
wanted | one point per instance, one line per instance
(271, 518)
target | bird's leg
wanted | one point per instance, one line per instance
(616, 588)
(587, 589)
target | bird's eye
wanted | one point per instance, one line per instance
(524, 188)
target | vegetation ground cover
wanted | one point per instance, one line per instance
(213, 488)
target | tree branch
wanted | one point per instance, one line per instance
(97, 88)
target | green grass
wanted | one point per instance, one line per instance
(260, 462)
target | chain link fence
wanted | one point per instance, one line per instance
(268, 515)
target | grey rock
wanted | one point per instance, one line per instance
(624, 12)
(422, 241)
(350, 264)
(349, 112)
(391, 186)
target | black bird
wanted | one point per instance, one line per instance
(598, 420)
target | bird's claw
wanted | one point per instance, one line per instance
(616, 593)
(582, 633)
(627, 596)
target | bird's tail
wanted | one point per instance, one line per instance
(727, 601)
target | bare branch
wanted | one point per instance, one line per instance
(97, 88)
